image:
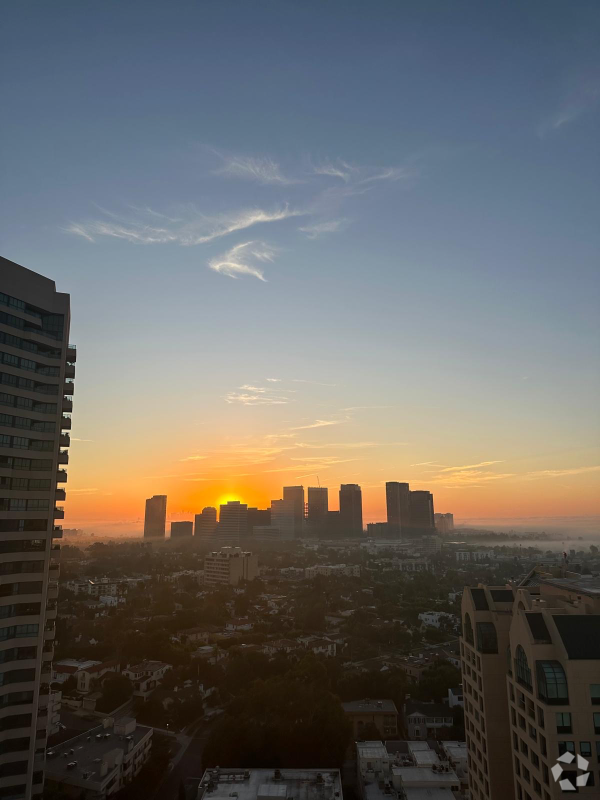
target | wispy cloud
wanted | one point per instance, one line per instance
(193, 229)
(339, 169)
(363, 408)
(428, 464)
(263, 170)
(82, 491)
(316, 383)
(316, 229)
(193, 458)
(319, 423)
(274, 380)
(471, 466)
(243, 259)
(581, 96)
(75, 439)
(560, 473)
(258, 396)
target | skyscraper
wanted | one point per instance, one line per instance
(233, 522)
(397, 496)
(205, 524)
(182, 529)
(156, 516)
(421, 511)
(351, 518)
(444, 523)
(318, 506)
(258, 518)
(36, 387)
(296, 495)
(283, 517)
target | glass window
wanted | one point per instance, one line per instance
(566, 747)
(563, 722)
(469, 629)
(597, 722)
(552, 682)
(595, 693)
(585, 749)
(522, 671)
(487, 640)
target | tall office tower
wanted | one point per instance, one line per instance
(233, 522)
(283, 517)
(257, 518)
(351, 518)
(421, 511)
(318, 503)
(531, 682)
(444, 523)
(397, 497)
(36, 387)
(182, 529)
(296, 495)
(156, 516)
(205, 524)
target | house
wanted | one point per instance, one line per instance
(321, 647)
(383, 714)
(280, 646)
(146, 676)
(455, 697)
(435, 619)
(196, 635)
(239, 624)
(426, 720)
(85, 672)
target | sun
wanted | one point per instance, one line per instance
(226, 498)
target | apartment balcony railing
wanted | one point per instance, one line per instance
(59, 512)
(64, 440)
(66, 422)
(69, 386)
(70, 371)
(57, 532)
(67, 404)
(60, 494)
(63, 456)
(71, 353)
(61, 476)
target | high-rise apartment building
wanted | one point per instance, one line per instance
(397, 497)
(37, 368)
(156, 516)
(205, 524)
(233, 522)
(444, 523)
(351, 518)
(531, 684)
(421, 511)
(295, 495)
(182, 529)
(318, 506)
(229, 566)
(257, 518)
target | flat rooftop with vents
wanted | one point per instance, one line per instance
(268, 784)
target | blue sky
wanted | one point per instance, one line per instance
(384, 204)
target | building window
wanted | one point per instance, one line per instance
(566, 747)
(585, 749)
(540, 717)
(552, 682)
(563, 722)
(522, 670)
(597, 722)
(535, 759)
(487, 640)
(595, 693)
(469, 630)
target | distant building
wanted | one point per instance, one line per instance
(266, 784)
(421, 511)
(383, 714)
(283, 517)
(146, 676)
(233, 522)
(426, 720)
(257, 517)
(456, 697)
(295, 495)
(318, 506)
(397, 497)
(378, 530)
(86, 672)
(444, 523)
(351, 517)
(156, 516)
(182, 529)
(205, 524)
(229, 566)
(102, 761)
(333, 529)
(327, 570)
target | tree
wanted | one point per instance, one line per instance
(116, 690)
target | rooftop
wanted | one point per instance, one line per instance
(426, 709)
(91, 748)
(368, 706)
(262, 784)
(580, 635)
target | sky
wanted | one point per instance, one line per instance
(315, 242)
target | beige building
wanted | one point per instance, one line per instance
(363, 714)
(229, 566)
(531, 681)
(36, 386)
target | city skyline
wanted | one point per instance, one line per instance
(355, 260)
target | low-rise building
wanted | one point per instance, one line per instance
(98, 763)
(146, 676)
(266, 784)
(426, 720)
(328, 570)
(85, 671)
(383, 714)
(229, 566)
(456, 697)
(435, 619)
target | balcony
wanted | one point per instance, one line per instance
(59, 512)
(67, 404)
(64, 440)
(68, 387)
(70, 371)
(57, 532)
(63, 456)
(60, 494)
(65, 423)
(71, 353)
(61, 476)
